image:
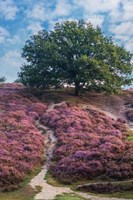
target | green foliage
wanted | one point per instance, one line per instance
(39, 72)
(130, 138)
(78, 54)
(2, 79)
(69, 197)
(125, 194)
(26, 193)
(18, 80)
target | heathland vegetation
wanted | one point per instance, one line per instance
(91, 146)
(21, 144)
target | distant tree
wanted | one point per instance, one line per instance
(2, 79)
(18, 80)
(78, 54)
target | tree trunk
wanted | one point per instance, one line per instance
(77, 89)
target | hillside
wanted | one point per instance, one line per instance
(115, 106)
(83, 139)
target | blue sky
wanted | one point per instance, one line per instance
(19, 19)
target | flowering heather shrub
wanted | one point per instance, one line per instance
(90, 145)
(12, 85)
(106, 188)
(129, 115)
(38, 107)
(21, 144)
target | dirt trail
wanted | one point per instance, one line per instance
(85, 106)
(49, 192)
(91, 197)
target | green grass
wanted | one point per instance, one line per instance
(126, 195)
(130, 138)
(69, 197)
(130, 135)
(25, 192)
(52, 181)
(58, 96)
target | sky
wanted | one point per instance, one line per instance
(19, 19)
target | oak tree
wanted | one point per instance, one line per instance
(76, 53)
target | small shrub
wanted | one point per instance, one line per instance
(129, 115)
(105, 188)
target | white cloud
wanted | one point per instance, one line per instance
(12, 58)
(123, 12)
(123, 33)
(127, 10)
(121, 37)
(96, 20)
(7, 39)
(38, 12)
(115, 16)
(8, 9)
(62, 8)
(124, 28)
(34, 27)
(129, 45)
(3, 34)
(44, 12)
(10, 64)
(96, 6)
(116, 10)
(96, 9)
(14, 40)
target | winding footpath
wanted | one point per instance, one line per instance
(49, 192)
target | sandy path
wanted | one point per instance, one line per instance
(49, 192)
(91, 197)
(85, 106)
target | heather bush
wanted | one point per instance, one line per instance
(21, 144)
(13, 85)
(105, 188)
(129, 115)
(90, 145)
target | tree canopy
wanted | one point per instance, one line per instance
(75, 53)
(2, 79)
